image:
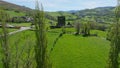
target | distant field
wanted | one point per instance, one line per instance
(14, 14)
(56, 14)
(9, 30)
(21, 24)
(70, 51)
(101, 34)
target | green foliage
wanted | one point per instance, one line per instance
(4, 40)
(21, 47)
(86, 29)
(115, 46)
(77, 27)
(100, 14)
(115, 40)
(41, 55)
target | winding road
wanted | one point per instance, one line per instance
(20, 30)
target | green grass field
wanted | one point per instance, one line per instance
(68, 15)
(70, 51)
(21, 24)
(14, 14)
(80, 52)
(9, 30)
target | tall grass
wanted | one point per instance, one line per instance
(22, 50)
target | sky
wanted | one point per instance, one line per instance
(65, 5)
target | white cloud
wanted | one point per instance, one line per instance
(91, 4)
(65, 4)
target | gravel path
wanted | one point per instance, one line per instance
(20, 30)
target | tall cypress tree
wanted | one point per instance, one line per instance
(41, 40)
(4, 39)
(115, 40)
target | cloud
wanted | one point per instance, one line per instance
(91, 4)
(57, 5)
(98, 3)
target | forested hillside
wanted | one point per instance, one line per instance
(100, 14)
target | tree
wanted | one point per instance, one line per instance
(77, 27)
(4, 40)
(115, 40)
(41, 40)
(86, 29)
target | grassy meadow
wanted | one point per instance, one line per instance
(70, 51)
(15, 14)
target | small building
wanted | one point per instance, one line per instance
(61, 21)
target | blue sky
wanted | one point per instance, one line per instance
(65, 5)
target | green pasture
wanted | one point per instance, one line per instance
(70, 51)
(15, 14)
(21, 24)
(9, 30)
(80, 52)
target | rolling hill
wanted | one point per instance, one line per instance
(100, 14)
(11, 6)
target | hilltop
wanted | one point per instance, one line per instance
(11, 6)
